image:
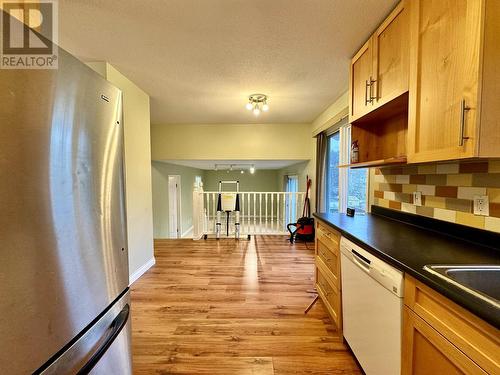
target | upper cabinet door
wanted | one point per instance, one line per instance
(379, 71)
(445, 37)
(360, 80)
(391, 57)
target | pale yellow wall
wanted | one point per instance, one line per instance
(332, 114)
(137, 145)
(137, 158)
(99, 67)
(231, 141)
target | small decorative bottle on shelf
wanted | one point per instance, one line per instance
(354, 152)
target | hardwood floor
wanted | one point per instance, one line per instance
(227, 307)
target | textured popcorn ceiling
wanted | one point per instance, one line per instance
(199, 60)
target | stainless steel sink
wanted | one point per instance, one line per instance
(482, 281)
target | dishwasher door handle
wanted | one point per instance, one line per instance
(361, 261)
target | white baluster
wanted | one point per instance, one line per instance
(265, 212)
(272, 212)
(254, 211)
(260, 212)
(277, 212)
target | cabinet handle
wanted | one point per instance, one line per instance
(372, 98)
(367, 85)
(463, 109)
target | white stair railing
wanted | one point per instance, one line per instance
(260, 212)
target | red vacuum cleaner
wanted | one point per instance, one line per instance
(304, 227)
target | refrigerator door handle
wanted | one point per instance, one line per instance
(96, 345)
(111, 333)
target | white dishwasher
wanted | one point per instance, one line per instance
(372, 303)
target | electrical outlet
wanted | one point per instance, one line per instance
(417, 198)
(481, 205)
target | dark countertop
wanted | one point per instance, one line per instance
(409, 247)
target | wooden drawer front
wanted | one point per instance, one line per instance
(328, 235)
(328, 239)
(330, 259)
(425, 351)
(329, 294)
(477, 339)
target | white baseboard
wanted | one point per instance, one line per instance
(188, 233)
(150, 263)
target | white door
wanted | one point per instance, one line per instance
(292, 186)
(174, 206)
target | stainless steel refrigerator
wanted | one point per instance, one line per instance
(64, 297)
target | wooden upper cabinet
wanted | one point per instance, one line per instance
(379, 71)
(454, 80)
(361, 72)
(391, 57)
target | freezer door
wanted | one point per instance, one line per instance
(104, 348)
(63, 247)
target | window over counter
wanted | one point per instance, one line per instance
(344, 187)
(332, 173)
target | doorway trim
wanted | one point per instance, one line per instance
(174, 206)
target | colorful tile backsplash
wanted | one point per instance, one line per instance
(447, 191)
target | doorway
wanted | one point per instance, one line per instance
(174, 206)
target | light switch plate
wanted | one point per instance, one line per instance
(481, 205)
(417, 198)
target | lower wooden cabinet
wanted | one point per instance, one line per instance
(330, 295)
(328, 271)
(440, 337)
(426, 351)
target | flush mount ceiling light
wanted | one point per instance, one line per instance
(257, 103)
